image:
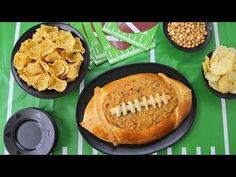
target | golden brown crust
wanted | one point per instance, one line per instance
(184, 96)
(92, 122)
(95, 120)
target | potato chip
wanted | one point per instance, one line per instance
(52, 57)
(232, 75)
(229, 56)
(41, 81)
(74, 57)
(40, 35)
(221, 67)
(226, 84)
(220, 51)
(66, 69)
(21, 60)
(211, 77)
(205, 68)
(234, 67)
(213, 84)
(78, 46)
(27, 77)
(52, 32)
(33, 68)
(44, 65)
(78, 63)
(23, 46)
(57, 84)
(49, 29)
(47, 47)
(49, 59)
(57, 68)
(23, 76)
(232, 49)
(62, 53)
(65, 41)
(206, 65)
(73, 71)
(233, 91)
(32, 49)
(53, 36)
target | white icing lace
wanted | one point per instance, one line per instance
(137, 105)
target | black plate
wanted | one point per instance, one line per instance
(48, 94)
(121, 72)
(197, 48)
(30, 131)
(219, 94)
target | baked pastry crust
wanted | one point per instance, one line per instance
(97, 121)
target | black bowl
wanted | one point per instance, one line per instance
(219, 94)
(49, 94)
(194, 49)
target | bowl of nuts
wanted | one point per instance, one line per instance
(188, 36)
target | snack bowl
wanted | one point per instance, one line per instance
(51, 94)
(219, 94)
(194, 49)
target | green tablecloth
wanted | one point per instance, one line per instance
(214, 128)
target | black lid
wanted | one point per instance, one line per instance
(30, 131)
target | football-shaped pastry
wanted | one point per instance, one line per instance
(137, 109)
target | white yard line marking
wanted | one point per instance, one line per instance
(95, 152)
(184, 151)
(11, 82)
(155, 153)
(217, 40)
(226, 138)
(213, 150)
(223, 106)
(198, 151)
(80, 144)
(132, 27)
(169, 151)
(64, 150)
(152, 55)
(80, 138)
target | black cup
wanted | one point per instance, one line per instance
(30, 131)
